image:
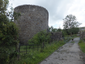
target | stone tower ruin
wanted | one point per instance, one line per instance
(32, 20)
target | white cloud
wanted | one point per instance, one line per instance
(78, 9)
(58, 9)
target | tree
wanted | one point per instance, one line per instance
(59, 29)
(3, 6)
(70, 22)
(8, 35)
(51, 29)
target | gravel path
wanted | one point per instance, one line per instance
(67, 54)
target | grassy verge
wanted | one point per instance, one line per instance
(66, 39)
(82, 45)
(69, 37)
(37, 56)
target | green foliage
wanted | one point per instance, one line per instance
(59, 30)
(81, 41)
(73, 30)
(3, 6)
(16, 15)
(70, 22)
(64, 33)
(37, 56)
(39, 38)
(84, 39)
(8, 35)
(8, 41)
(71, 25)
(70, 31)
(82, 45)
(52, 29)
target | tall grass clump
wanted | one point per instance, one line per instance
(37, 56)
(82, 45)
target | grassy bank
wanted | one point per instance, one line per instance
(37, 56)
(82, 45)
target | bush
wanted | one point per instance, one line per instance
(8, 39)
(71, 31)
(8, 34)
(40, 39)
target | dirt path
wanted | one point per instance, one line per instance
(67, 54)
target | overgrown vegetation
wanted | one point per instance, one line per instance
(8, 35)
(40, 46)
(34, 56)
(82, 45)
(71, 24)
(40, 39)
(65, 32)
(71, 31)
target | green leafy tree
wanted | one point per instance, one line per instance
(70, 23)
(59, 30)
(3, 6)
(8, 35)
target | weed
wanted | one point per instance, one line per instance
(82, 45)
(37, 56)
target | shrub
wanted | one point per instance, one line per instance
(8, 39)
(8, 34)
(40, 39)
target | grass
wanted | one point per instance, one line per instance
(82, 45)
(66, 39)
(35, 56)
(69, 37)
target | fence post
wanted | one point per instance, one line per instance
(18, 50)
(26, 48)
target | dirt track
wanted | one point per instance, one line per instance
(67, 54)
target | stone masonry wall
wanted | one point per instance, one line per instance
(82, 34)
(56, 36)
(32, 20)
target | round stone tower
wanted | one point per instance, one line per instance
(32, 19)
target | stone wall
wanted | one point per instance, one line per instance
(32, 20)
(82, 34)
(56, 36)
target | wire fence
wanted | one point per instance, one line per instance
(24, 49)
(31, 48)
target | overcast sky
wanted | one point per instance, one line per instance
(58, 9)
